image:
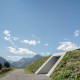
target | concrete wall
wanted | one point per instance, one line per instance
(47, 67)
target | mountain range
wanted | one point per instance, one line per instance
(2, 60)
(24, 61)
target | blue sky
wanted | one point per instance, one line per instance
(29, 27)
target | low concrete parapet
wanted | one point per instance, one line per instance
(49, 66)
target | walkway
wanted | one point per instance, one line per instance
(19, 75)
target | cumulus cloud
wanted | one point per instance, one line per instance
(14, 58)
(15, 38)
(25, 51)
(31, 42)
(46, 44)
(7, 33)
(12, 50)
(77, 33)
(67, 46)
(9, 38)
(21, 51)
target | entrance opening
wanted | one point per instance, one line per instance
(47, 67)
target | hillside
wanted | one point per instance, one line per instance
(69, 67)
(35, 65)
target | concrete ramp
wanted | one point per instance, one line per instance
(49, 66)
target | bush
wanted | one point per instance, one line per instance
(6, 70)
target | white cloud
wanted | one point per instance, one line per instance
(12, 50)
(10, 38)
(25, 51)
(7, 38)
(15, 38)
(46, 44)
(21, 51)
(7, 33)
(31, 42)
(67, 46)
(14, 58)
(77, 33)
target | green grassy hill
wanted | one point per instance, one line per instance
(35, 65)
(69, 67)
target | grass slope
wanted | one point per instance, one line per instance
(69, 67)
(35, 65)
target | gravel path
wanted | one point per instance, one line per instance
(19, 75)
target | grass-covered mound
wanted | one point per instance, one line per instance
(69, 67)
(35, 65)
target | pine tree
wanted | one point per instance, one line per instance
(6, 65)
(1, 66)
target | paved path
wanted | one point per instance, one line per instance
(19, 75)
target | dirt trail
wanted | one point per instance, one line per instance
(19, 75)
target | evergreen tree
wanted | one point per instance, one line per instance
(6, 65)
(1, 66)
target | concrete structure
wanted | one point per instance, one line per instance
(49, 66)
